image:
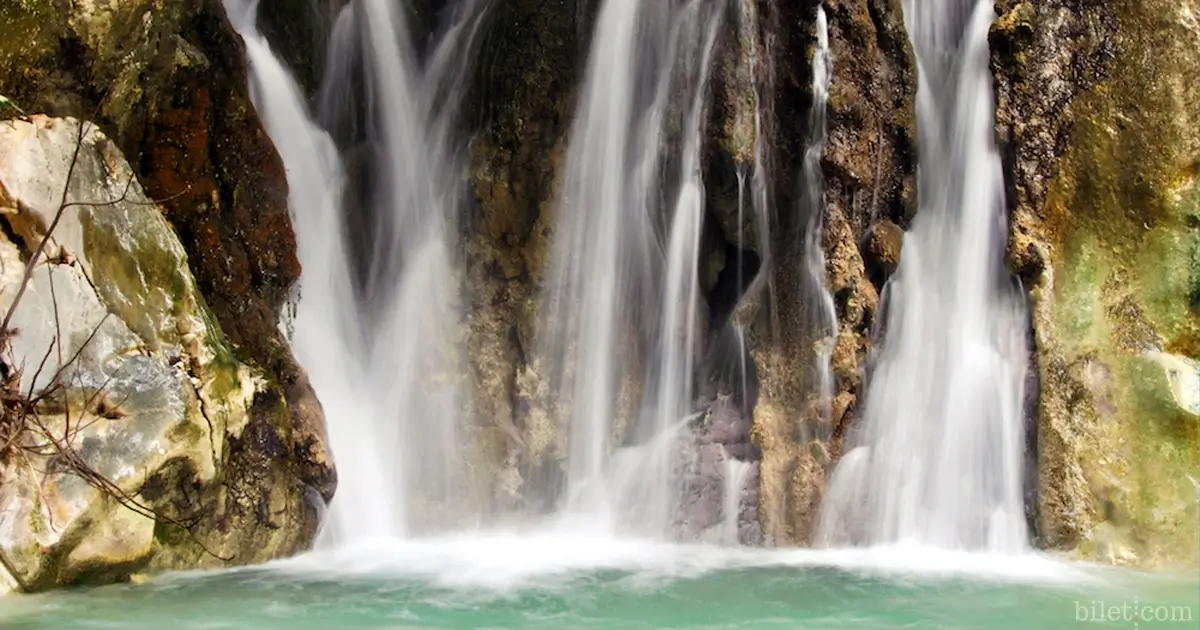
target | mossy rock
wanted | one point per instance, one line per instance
(1118, 292)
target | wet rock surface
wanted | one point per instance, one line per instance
(881, 253)
(722, 458)
(519, 112)
(1098, 117)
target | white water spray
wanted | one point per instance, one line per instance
(736, 472)
(937, 460)
(408, 317)
(326, 334)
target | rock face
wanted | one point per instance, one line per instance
(519, 110)
(759, 107)
(206, 465)
(167, 81)
(868, 168)
(1099, 117)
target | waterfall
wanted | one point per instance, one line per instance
(825, 320)
(621, 303)
(324, 331)
(409, 321)
(376, 324)
(937, 458)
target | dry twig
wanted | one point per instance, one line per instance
(23, 432)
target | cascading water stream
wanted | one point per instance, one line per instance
(937, 458)
(406, 308)
(825, 319)
(614, 301)
(325, 331)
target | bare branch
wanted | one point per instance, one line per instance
(37, 253)
(23, 433)
(124, 198)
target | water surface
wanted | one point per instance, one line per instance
(568, 582)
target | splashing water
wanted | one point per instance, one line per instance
(736, 472)
(937, 459)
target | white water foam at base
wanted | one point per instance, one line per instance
(506, 561)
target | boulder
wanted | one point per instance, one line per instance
(140, 388)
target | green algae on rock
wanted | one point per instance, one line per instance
(1100, 115)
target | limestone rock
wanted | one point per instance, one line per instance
(882, 252)
(166, 79)
(1099, 121)
(152, 397)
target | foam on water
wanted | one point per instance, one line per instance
(555, 557)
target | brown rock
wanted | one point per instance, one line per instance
(881, 253)
(521, 108)
(869, 169)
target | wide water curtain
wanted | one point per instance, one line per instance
(377, 321)
(409, 147)
(619, 323)
(936, 459)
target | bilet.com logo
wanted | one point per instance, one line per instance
(1141, 615)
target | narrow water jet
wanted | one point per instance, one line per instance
(936, 460)
(743, 375)
(824, 320)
